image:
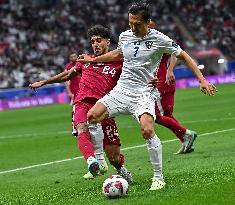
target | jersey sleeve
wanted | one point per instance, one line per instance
(167, 45)
(78, 67)
(119, 47)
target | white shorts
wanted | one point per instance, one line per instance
(122, 101)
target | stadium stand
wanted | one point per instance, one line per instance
(211, 22)
(36, 35)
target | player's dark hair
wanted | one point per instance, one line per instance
(72, 52)
(141, 8)
(99, 30)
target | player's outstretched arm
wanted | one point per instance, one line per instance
(205, 86)
(107, 57)
(61, 77)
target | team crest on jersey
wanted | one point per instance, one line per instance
(148, 44)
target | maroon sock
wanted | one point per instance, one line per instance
(85, 145)
(179, 135)
(173, 124)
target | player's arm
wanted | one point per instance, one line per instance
(170, 77)
(61, 77)
(107, 57)
(205, 86)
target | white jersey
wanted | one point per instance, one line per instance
(141, 57)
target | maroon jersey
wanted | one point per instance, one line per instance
(97, 79)
(74, 82)
(161, 75)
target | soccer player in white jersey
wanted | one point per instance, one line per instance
(142, 49)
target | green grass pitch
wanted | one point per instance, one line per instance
(29, 138)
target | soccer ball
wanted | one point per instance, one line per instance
(115, 186)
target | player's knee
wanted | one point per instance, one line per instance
(92, 117)
(82, 127)
(147, 132)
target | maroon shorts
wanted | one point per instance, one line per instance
(167, 104)
(79, 115)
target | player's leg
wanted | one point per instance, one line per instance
(97, 113)
(94, 116)
(154, 147)
(145, 112)
(85, 144)
(117, 160)
(164, 110)
(167, 120)
(97, 137)
(103, 108)
(112, 152)
(188, 138)
(112, 148)
(188, 135)
(84, 138)
(111, 144)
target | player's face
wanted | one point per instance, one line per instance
(73, 57)
(100, 45)
(138, 26)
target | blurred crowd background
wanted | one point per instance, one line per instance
(37, 35)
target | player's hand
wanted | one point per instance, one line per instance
(170, 77)
(207, 88)
(71, 96)
(85, 58)
(153, 82)
(36, 85)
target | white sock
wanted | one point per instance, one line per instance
(187, 132)
(154, 147)
(90, 160)
(97, 137)
(186, 135)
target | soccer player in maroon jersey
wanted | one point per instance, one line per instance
(72, 86)
(166, 86)
(96, 80)
(164, 112)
